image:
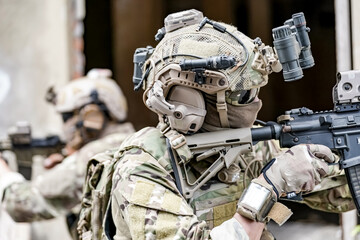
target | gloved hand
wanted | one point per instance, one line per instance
(52, 160)
(299, 169)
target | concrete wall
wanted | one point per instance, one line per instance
(33, 54)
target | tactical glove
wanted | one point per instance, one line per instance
(299, 169)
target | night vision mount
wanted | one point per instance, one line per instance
(212, 63)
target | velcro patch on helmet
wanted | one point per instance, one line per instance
(203, 49)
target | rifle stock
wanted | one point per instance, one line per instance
(224, 146)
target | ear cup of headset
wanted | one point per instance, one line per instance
(93, 120)
(189, 113)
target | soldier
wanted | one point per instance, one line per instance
(94, 110)
(203, 77)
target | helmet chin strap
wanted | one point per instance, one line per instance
(221, 107)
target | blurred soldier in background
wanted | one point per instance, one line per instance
(202, 78)
(94, 110)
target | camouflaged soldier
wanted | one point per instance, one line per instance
(94, 110)
(201, 79)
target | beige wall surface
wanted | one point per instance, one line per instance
(33, 55)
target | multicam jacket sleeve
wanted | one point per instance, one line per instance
(146, 203)
(58, 190)
(50, 194)
(8, 179)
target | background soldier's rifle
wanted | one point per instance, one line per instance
(338, 129)
(21, 143)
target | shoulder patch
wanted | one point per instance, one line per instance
(155, 196)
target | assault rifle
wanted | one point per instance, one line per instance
(338, 129)
(21, 143)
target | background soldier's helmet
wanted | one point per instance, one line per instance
(87, 104)
(200, 62)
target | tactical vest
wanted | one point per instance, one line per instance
(98, 181)
(96, 195)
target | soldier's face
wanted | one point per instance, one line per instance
(244, 115)
(69, 127)
(239, 115)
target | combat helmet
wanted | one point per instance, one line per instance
(199, 59)
(86, 104)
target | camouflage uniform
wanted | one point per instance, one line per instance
(146, 204)
(145, 201)
(58, 190)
